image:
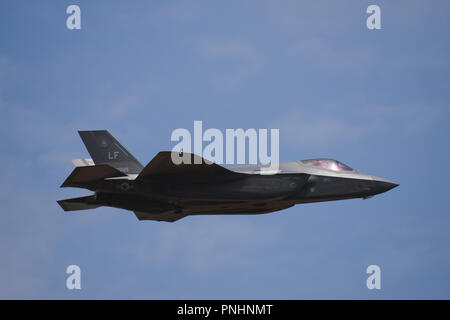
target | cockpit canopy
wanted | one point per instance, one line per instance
(329, 164)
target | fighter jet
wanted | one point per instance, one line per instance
(165, 191)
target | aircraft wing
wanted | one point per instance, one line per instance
(171, 216)
(162, 165)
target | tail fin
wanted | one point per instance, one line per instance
(105, 149)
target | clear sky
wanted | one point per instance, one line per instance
(377, 100)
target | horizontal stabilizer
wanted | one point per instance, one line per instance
(82, 203)
(166, 216)
(162, 164)
(83, 162)
(82, 175)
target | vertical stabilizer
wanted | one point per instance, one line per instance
(105, 149)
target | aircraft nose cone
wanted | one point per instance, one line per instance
(380, 185)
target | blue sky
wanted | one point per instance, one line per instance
(375, 100)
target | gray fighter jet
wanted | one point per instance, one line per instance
(164, 191)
